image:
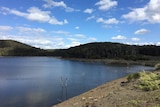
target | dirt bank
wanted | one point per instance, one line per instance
(117, 93)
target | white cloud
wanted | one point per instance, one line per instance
(106, 4)
(30, 30)
(36, 37)
(12, 11)
(143, 43)
(52, 3)
(77, 27)
(89, 11)
(80, 35)
(72, 39)
(91, 17)
(61, 32)
(44, 42)
(141, 31)
(149, 13)
(135, 39)
(35, 14)
(119, 37)
(108, 21)
(65, 21)
(73, 43)
(106, 26)
(5, 28)
(41, 38)
(91, 39)
(158, 43)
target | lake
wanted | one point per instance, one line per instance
(45, 81)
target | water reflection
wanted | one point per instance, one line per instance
(36, 81)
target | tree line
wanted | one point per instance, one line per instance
(96, 50)
(99, 50)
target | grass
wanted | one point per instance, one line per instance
(132, 77)
(157, 66)
(147, 81)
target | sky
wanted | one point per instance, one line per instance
(57, 24)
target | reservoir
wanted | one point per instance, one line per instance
(45, 81)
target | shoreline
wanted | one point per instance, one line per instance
(91, 95)
(116, 93)
(116, 61)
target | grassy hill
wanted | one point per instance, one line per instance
(14, 48)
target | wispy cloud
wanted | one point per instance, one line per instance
(89, 11)
(141, 31)
(135, 39)
(119, 37)
(27, 29)
(45, 42)
(108, 21)
(37, 37)
(61, 32)
(77, 27)
(91, 17)
(92, 39)
(35, 14)
(106, 4)
(41, 38)
(149, 13)
(5, 28)
(52, 3)
(80, 35)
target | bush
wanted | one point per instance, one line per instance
(157, 66)
(133, 76)
(149, 81)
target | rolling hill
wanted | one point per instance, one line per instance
(100, 50)
(95, 50)
(15, 48)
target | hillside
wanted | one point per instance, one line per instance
(96, 50)
(14, 48)
(100, 50)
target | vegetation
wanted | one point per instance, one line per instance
(100, 50)
(133, 76)
(147, 81)
(14, 48)
(96, 50)
(157, 66)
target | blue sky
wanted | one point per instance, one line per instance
(52, 24)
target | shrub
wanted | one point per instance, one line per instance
(149, 81)
(157, 66)
(133, 76)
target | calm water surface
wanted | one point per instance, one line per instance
(38, 81)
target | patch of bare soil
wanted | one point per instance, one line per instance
(117, 93)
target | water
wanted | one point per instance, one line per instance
(38, 81)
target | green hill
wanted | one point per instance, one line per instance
(15, 48)
(100, 50)
(96, 50)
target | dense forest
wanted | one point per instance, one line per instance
(96, 50)
(99, 50)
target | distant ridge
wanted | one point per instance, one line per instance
(15, 48)
(95, 50)
(101, 50)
